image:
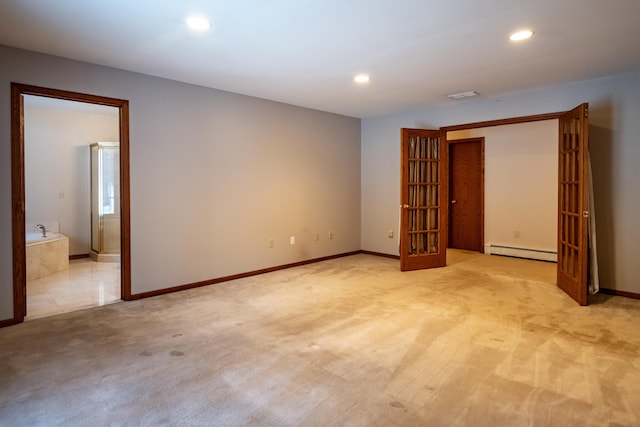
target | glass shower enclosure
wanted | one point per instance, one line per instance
(105, 201)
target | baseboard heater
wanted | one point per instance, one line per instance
(536, 254)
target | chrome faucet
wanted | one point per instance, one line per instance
(43, 228)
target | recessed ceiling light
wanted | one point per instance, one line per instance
(362, 78)
(198, 23)
(520, 35)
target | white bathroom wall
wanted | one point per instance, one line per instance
(521, 184)
(57, 138)
(214, 175)
(614, 135)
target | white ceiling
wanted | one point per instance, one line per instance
(306, 52)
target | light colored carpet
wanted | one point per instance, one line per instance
(486, 341)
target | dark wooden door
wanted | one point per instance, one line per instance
(466, 194)
(423, 198)
(573, 203)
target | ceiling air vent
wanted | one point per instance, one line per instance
(463, 94)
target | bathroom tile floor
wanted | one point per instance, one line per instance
(85, 284)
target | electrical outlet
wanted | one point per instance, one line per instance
(390, 234)
(330, 235)
(292, 240)
(516, 234)
(271, 243)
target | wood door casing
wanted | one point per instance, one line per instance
(423, 198)
(18, 188)
(573, 203)
(466, 194)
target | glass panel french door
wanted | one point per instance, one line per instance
(573, 209)
(423, 213)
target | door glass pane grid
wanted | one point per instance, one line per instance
(569, 193)
(424, 192)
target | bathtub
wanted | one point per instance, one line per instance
(36, 237)
(46, 255)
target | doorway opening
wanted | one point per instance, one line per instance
(68, 183)
(571, 238)
(116, 276)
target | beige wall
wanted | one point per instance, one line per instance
(521, 184)
(57, 139)
(214, 175)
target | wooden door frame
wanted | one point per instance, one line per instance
(479, 140)
(18, 187)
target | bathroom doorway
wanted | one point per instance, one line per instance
(51, 136)
(61, 180)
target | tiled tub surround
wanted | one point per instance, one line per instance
(46, 255)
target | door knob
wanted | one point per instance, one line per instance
(454, 201)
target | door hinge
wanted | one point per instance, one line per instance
(586, 112)
(585, 214)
